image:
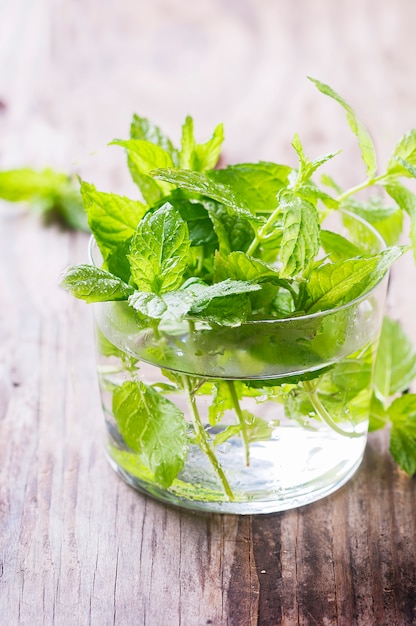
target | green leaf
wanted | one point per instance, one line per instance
(220, 403)
(407, 167)
(27, 185)
(112, 218)
(67, 206)
(172, 305)
(256, 429)
(233, 230)
(406, 200)
(338, 247)
(223, 303)
(402, 413)
(241, 266)
(300, 242)
(395, 367)
(334, 284)
(200, 183)
(187, 144)
(106, 348)
(307, 167)
(257, 183)
(195, 214)
(387, 220)
(364, 140)
(378, 416)
(50, 193)
(159, 251)
(143, 129)
(93, 284)
(200, 157)
(351, 376)
(144, 156)
(403, 159)
(153, 427)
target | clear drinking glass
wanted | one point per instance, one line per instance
(271, 414)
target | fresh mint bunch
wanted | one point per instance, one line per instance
(246, 242)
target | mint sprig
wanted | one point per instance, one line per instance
(54, 195)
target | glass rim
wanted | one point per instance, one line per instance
(298, 318)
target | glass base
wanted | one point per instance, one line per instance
(295, 468)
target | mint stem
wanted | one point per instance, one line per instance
(205, 444)
(262, 231)
(368, 183)
(241, 419)
(323, 413)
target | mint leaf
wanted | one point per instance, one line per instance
(364, 140)
(187, 144)
(406, 200)
(239, 265)
(159, 250)
(395, 366)
(402, 413)
(200, 183)
(233, 230)
(93, 284)
(143, 129)
(142, 157)
(26, 184)
(334, 284)
(195, 214)
(112, 218)
(307, 167)
(257, 183)
(378, 415)
(387, 220)
(220, 403)
(52, 194)
(196, 156)
(404, 156)
(300, 241)
(153, 427)
(223, 303)
(338, 247)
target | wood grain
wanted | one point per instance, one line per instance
(78, 546)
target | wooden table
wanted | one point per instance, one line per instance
(78, 546)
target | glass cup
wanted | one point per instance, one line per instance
(262, 417)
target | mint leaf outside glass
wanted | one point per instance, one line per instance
(52, 194)
(402, 414)
(395, 367)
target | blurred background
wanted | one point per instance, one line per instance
(72, 73)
